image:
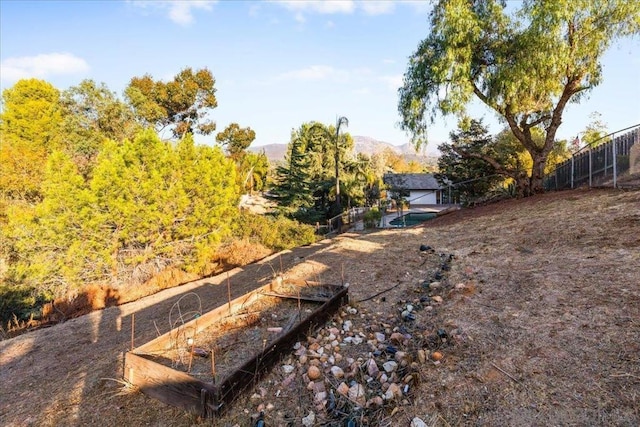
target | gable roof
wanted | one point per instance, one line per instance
(412, 181)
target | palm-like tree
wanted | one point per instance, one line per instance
(339, 123)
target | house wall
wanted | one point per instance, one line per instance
(422, 197)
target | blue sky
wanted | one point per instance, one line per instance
(277, 64)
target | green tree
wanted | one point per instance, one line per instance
(236, 140)
(29, 130)
(330, 149)
(292, 188)
(462, 162)
(252, 171)
(340, 121)
(359, 179)
(181, 104)
(56, 245)
(148, 205)
(165, 205)
(306, 184)
(93, 114)
(596, 131)
(208, 179)
(525, 66)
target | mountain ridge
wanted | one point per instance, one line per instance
(362, 145)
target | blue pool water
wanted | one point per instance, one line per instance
(412, 219)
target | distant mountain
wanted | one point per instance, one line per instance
(274, 152)
(362, 144)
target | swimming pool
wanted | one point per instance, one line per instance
(412, 218)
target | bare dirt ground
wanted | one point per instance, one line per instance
(536, 317)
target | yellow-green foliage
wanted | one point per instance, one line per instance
(147, 202)
(372, 218)
(276, 233)
(29, 125)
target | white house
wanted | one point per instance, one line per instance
(419, 189)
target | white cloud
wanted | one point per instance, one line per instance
(419, 6)
(318, 6)
(376, 7)
(330, 7)
(179, 11)
(41, 66)
(300, 18)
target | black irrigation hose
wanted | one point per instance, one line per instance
(379, 293)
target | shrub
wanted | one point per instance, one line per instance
(372, 218)
(276, 233)
(18, 302)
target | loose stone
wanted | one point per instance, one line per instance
(337, 372)
(309, 420)
(313, 373)
(343, 389)
(390, 366)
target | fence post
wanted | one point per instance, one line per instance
(615, 162)
(604, 149)
(590, 169)
(572, 168)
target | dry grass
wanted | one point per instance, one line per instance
(97, 297)
(542, 306)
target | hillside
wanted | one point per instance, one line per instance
(532, 305)
(362, 144)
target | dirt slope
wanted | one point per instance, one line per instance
(540, 306)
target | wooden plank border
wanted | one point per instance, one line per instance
(249, 373)
(164, 341)
(205, 399)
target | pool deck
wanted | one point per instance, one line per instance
(385, 222)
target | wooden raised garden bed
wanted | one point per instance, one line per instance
(206, 360)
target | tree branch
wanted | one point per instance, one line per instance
(485, 99)
(571, 88)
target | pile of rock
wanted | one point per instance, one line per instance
(365, 365)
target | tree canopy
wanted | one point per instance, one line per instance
(92, 114)
(236, 139)
(89, 197)
(148, 203)
(306, 185)
(526, 65)
(182, 103)
(595, 132)
(29, 130)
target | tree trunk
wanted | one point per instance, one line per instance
(537, 173)
(522, 182)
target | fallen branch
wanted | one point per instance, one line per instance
(624, 375)
(504, 372)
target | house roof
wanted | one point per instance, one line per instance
(412, 181)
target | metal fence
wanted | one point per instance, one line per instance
(601, 165)
(341, 223)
